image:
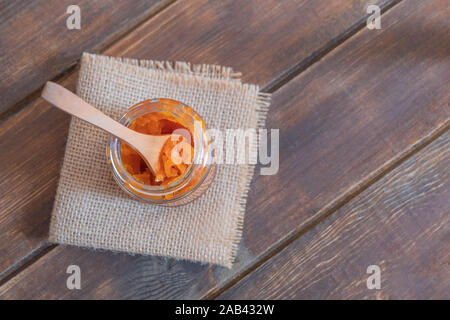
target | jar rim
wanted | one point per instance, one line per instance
(131, 183)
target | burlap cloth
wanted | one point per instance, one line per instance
(91, 210)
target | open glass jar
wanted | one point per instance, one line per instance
(190, 184)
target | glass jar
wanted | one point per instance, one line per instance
(192, 183)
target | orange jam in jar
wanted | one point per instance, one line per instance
(173, 182)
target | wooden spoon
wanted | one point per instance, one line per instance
(148, 146)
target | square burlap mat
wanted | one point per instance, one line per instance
(91, 210)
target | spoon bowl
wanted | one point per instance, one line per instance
(148, 146)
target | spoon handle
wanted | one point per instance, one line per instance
(74, 105)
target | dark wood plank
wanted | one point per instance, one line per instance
(348, 116)
(29, 177)
(124, 276)
(30, 170)
(262, 39)
(35, 44)
(401, 224)
(342, 120)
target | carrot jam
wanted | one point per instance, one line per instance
(168, 170)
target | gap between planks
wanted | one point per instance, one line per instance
(271, 87)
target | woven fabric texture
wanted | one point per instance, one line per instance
(91, 210)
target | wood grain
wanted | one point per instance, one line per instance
(29, 170)
(36, 45)
(343, 119)
(401, 224)
(262, 39)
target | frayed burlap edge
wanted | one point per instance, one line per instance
(205, 71)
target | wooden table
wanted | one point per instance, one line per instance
(364, 173)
